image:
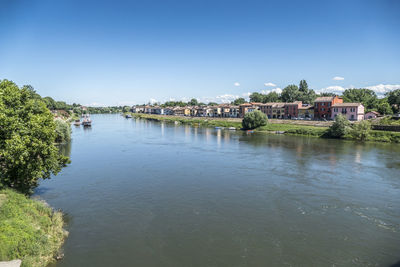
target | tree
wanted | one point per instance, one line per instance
(303, 87)
(384, 107)
(290, 93)
(394, 99)
(239, 101)
(340, 127)
(271, 97)
(193, 102)
(212, 104)
(126, 109)
(365, 96)
(257, 97)
(254, 119)
(27, 137)
(50, 103)
(361, 130)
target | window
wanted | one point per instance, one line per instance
(322, 109)
(322, 104)
(335, 109)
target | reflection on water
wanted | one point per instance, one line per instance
(143, 193)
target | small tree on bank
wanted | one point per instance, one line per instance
(340, 127)
(27, 139)
(254, 119)
(361, 130)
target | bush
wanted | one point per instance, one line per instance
(361, 130)
(340, 127)
(254, 119)
(63, 131)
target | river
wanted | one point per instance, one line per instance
(143, 193)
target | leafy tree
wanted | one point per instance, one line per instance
(361, 130)
(50, 103)
(393, 98)
(384, 107)
(31, 91)
(63, 131)
(365, 96)
(257, 97)
(126, 109)
(27, 137)
(239, 101)
(271, 97)
(213, 104)
(340, 127)
(303, 87)
(193, 102)
(290, 93)
(254, 119)
(327, 94)
(307, 97)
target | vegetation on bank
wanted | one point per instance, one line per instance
(29, 230)
(254, 120)
(357, 131)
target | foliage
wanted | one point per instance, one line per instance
(27, 137)
(303, 87)
(290, 93)
(193, 102)
(126, 109)
(239, 101)
(340, 127)
(393, 98)
(212, 104)
(361, 130)
(257, 97)
(254, 119)
(63, 131)
(384, 107)
(365, 96)
(29, 230)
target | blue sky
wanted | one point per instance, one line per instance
(125, 52)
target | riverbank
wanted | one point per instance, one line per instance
(29, 230)
(290, 127)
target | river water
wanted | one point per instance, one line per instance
(142, 193)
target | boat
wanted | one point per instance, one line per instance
(232, 128)
(86, 122)
(217, 127)
(128, 116)
(77, 122)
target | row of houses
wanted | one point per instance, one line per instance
(323, 108)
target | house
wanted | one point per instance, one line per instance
(217, 111)
(187, 111)
(168, 111)
(248, 107)
(352, 111)
(292, 109)
(178, 111)
(322, 106)
(147, 109)
(193, 111)
(137, 109)
(371, 115)
(225, 111)
(306, 111)
(234, 111)
(157, 110)
(273, 110)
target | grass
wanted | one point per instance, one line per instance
(29, 230)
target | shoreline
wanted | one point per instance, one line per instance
(303, 128)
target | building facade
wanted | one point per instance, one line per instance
(322, 106)
(352, 111)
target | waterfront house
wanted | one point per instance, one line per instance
(273, 110)
(178, 111)
(234, 111)
(137, 109)
(225, 111)
(352, 111)
(322, 106)
(306, 111)
(157, 110)
(217, 111)
(371, 115)
(248, 107)
(292, 109)
(168, 111)
(187, 111)
(147, 109)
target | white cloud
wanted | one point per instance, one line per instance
(152, 101)
(269, 84)
(95, 104)
(236, 84)
(126, 103)
(227, 98)
(332, 89)
(277, 90)
(381, 89)
(338, 78)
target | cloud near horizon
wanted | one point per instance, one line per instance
(236, 84)
(269, 84)
(379, 89)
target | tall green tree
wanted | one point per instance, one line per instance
(257, 97)
(290, 93)
(303, 87)
(254, 119)
(193, 102)
(365, 96)
(271, 97)
(384, 107)
(394, 99)
(340, 127)
(27, 139)
(239, 101)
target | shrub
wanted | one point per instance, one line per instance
(340, 127)
(254, 119)
(63, 131)
(361, 130)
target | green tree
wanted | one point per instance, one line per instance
(27, 139)
(50, 103)
(384, 107)
(239, 101)
(126, 109)
(212, 104)
(290, 93)
(271, 97)
(257, 97)
(63, 131)
(303, 87)
(254, 119)
(361, 130)
(365, 96)
(340, 127)
(193, 102)
(393, 98)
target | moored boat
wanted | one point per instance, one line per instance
(77, 122)
(86, 122)
(128, 116)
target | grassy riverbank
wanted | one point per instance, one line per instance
(287, 126)
(29, 230)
